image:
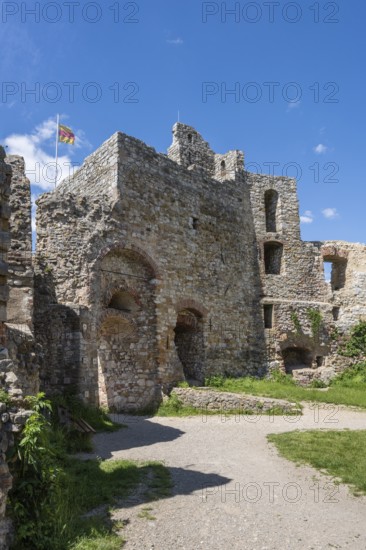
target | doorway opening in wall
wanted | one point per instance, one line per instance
(189, 343)
(335, 272)
(273, 253)
(296, 358)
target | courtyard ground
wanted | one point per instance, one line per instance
(232, 490)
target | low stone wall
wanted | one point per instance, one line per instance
(211, 400)
(12, 421)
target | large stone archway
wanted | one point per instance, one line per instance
(126, 335)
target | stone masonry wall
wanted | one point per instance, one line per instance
(20, 275)
(194, 233)
(151, 268)
(298, 284)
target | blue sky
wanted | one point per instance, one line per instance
(297, 70)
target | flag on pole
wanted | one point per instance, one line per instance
(66, 135)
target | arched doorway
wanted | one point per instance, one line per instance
(127, 347)
(189, 343)
(296, 358)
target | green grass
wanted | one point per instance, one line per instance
(84, 486)
(73, 440)
(351, 394)
(97, 417)
(146, 513)
(341, 454)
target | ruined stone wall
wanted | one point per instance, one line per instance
(292, 276)
(347, 288)
(20, 274)
(5, 179)
(193, 233)
(23, 353)
(153, 267)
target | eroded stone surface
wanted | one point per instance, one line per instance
(210, 400)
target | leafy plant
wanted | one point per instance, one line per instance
(4, 397)
(356, 345)
(353, 376)
(296, 321)
(215, 381)
(277, 375)
(316, 320)
(35, 476)
(335, 334)
(183, 384)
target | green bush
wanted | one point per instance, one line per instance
(215, 381)
(356, 344)
(277, 375)
(352, 376)
(36, 473)
(51, 491)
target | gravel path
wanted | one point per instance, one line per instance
(232, 490)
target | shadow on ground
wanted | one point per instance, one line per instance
(140, 433)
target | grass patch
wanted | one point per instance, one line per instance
(97, 417)
(174, 407)
(73, 440)
(351, 393)
(84, 486)
(341, 454)
(146, 513)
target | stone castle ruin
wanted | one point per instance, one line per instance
(152, 268)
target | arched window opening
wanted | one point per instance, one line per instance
(123, 301)
(271, 207)
(189, 138)
(273, 258)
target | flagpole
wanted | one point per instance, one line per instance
(57, 136)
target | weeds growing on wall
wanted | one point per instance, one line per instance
(355, 346)
(296, 321)
(316, 320)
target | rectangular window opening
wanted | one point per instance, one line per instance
(268, 316)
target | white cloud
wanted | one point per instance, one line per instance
(293, 105)
(330, 213)
(320, 149)
(176, 41)
(307, 217)
(40, 165)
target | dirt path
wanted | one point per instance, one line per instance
(232, 490)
